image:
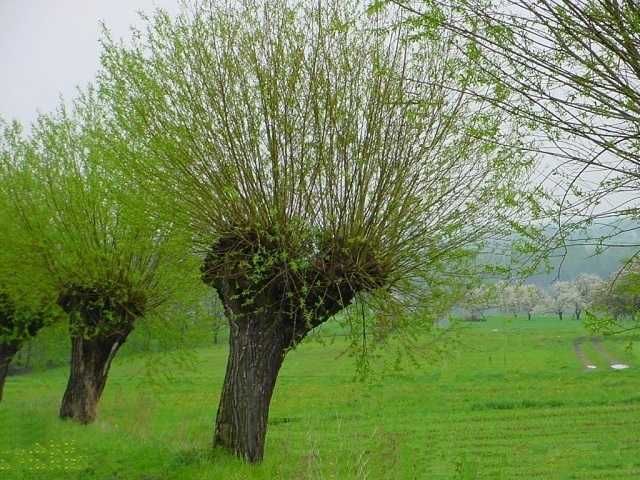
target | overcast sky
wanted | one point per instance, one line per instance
(49, 47)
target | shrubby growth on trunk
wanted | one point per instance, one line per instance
(317, 159)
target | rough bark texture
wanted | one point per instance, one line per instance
(102, 316)
(90, 362)
(256, 352)
(258, 344)
(271, 306)
(7, 352)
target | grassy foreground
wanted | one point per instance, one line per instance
(512, 401)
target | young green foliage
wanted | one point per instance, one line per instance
(615, 303)
(24, 308)
(316, 157)
(105, 257)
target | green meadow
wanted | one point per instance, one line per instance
(510, 399)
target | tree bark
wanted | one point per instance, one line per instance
(266, 319)
(7, 352)
(256, 351)
(90, 362)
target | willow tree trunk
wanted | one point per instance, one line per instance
(257, 349)
(7, 352)
(265, 320)
(90, 362)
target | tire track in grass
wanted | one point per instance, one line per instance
(582, 356)
(598, 344)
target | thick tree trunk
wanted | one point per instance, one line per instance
(267, 317)
(7, 352)
(90, 362)
(256, 351)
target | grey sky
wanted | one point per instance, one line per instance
(49, 47)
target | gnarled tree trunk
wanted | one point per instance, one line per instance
(7, 352)
(256, 352)
(270, 311)
(90, 362)
(258, 343)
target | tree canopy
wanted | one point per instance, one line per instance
(314, 125)
(26, 299)
(315, 156)
(102, 256)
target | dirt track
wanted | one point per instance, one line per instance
(577, 347)
(598, 344)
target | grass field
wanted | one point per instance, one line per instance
(513, 400)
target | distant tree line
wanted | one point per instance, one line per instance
(617, 297)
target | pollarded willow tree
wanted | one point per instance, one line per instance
(317, 158)
(23, 311)
(107, 260)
